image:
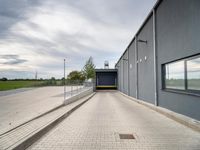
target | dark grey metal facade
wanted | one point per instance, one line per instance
(146, 62)
(132, 70)
(125, 73)
(121, 80)
(178, 36)
(170, 32)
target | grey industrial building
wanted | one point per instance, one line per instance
(161, 65)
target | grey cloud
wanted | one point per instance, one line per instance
(13, 74)
(121, 14)
(118, 12)
(71, 43)
(16, 8)
(11, 59)
(13, 11)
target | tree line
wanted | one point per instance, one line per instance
(74, 77)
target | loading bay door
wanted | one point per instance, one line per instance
(106, 79)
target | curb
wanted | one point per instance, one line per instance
(43, 130)
(34, 118)
(182, 119)
(78, 96)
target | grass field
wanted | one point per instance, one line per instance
(8, 85)
(15, 84)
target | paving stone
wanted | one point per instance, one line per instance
(21, 133)
(19, 107)
(98, 123)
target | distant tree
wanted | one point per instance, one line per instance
(52, 81)
(89, 69)
(75, 76)
(4, 79)
(63, 80)
(53, 78)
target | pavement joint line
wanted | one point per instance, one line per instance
(36, 135)
(49, 111)
(182, 119)
(34, 118)
(97, 125)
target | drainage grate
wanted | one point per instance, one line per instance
(126, 136)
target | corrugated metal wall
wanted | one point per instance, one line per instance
(177, 36)
(121, 75)
(132, 70)
(125, 72)
(146, 63)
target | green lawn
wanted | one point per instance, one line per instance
(8, 85)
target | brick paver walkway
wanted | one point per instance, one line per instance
(13, 138)
(19, 107)
(97, 125)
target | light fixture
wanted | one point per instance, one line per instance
(125, 59)
(142, 41)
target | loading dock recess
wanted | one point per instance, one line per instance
(106, 78)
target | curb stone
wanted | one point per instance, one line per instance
(182, 119)
(29, 140)
(34, 118)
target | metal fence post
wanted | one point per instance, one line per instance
(64, 83)
(71, 90)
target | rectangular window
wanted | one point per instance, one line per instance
(175, 75)
(193, 74)
(183, 75)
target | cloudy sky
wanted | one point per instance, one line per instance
(36, 35)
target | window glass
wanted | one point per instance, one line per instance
(193, 74)
(174, 77)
